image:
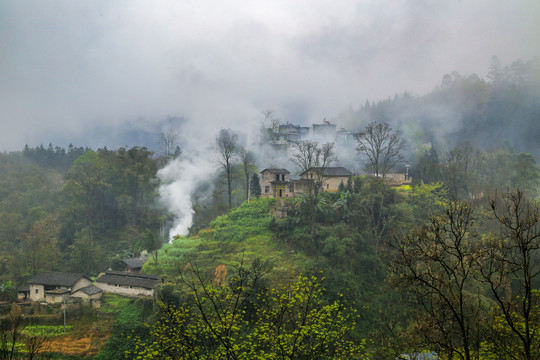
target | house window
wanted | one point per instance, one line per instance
(277, 177)
(267, 189)
(283, 177)
(37, 291)
(327, 186)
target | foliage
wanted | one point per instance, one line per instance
(292, 322)
(128, 326)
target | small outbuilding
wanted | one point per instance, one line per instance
(89, 295)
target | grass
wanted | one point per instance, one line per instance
(243, 234)
(111, 303)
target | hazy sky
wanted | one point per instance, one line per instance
(69, 66)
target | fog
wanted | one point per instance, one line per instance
(71, 69)
(89, 72)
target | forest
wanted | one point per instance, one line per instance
(448, 263)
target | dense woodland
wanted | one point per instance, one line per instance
(383, 251)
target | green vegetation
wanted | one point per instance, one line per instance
(128, 326)
(245, 320)
(449, 263)
(47, 330)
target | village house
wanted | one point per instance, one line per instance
(331, 178)
(53, 287)
(127, 283)
(276, 183)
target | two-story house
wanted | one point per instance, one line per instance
(276, 183)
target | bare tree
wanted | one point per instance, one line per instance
(312, 160)
(510, 266)
(462, 165)
(247, 162)
(379, 148)
(169, 144)
(437, 263)
(269, 126)
(15, 344)
(227, 149)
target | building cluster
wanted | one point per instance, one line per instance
(278, 183)
(59, 287)
(287, 134)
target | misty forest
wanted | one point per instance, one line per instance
(428, 248)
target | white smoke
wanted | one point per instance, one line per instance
(180, 179)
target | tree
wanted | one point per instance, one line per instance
(152, 243)
(510, 266)
(437, 262)
(255, 185)
(39, 248)
(461, 170)
(169, 144)
(15, 344)
(312, 160)
(227, 150)
(247, 163)
(380, 149)
(239, 320)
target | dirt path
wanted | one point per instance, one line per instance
(84, 342)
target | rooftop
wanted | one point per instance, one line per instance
(277, 171)
(90, 290)
(134, 263)
(128, 279)
(53, 278)
(332, 171)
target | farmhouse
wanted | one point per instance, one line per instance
(127, 283)
(331, 176)
(276, 183)
(52, 287)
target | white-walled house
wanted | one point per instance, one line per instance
(53, 286)
(127, 283)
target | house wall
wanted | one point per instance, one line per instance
(125, 290)
(93, 300)
(55, 298)
(332, 183)
(37, 292)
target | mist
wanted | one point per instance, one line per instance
(70, 67)
(89, 73)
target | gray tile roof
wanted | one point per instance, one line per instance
(277, 171)
(128, 279)
(53, 278)
(134, 263)
(333, 171)
(90, 290)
